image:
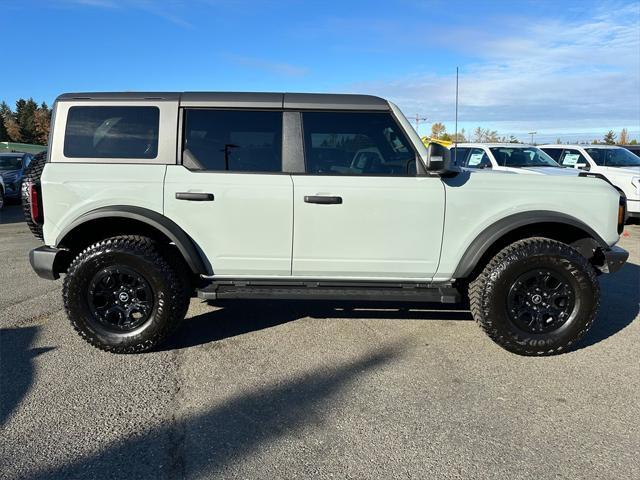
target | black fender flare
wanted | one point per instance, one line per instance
(168, 227)
(494, 232)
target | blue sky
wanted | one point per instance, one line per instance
(563, 68)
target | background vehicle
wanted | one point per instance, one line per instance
(618, 165)
(506, 157)
(12, 166)
(150, 198)
(1, 192)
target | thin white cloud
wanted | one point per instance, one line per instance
(278, 68)
(584, 72)
(166, 9)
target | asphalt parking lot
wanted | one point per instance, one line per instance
(312, 390)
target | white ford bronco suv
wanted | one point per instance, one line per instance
(147, 199)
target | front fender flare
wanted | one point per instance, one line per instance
(491, 234)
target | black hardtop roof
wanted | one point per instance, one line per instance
(310, 101)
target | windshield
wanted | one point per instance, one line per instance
(10, 163)
(613, 157)
(522, 157)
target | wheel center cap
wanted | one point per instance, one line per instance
(123, 297)
(536, 299)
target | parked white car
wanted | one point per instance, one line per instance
(507, 157)
(617, 164)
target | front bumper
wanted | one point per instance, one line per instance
(43, 261)
(614, 259)
(633, 208)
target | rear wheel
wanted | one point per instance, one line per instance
(122, 295)
(536, 297)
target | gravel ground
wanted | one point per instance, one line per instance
(299, 390)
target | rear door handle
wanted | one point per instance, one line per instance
(195, 196)
(322, 199)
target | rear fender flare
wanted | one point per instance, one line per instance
(166, 226)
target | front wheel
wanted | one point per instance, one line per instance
(536, 297)
(123, 296)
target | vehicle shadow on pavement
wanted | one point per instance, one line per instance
(16, 367)
(237, 318)
(11, 214)
(619, 305)
(228, 432)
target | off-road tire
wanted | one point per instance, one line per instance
(32, 176)
(168, 282)
(489, 291)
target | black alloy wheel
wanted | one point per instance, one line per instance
(541, 301)
(120, 298)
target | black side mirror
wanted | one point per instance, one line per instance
(438, 158)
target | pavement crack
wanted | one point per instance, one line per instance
(177, 432)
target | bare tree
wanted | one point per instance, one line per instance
(624, 137)
(484, 135)
(437, 129)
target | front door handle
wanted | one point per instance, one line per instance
(195, 196)
(322, 199)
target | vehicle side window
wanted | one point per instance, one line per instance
(356, 143)
(459, 155)
(477, 158)
(554, 153)
(232, 140)
(570, 158)
(112, 132)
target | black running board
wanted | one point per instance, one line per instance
(327, 290)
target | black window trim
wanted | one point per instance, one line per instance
(105, 160)
(420, 169)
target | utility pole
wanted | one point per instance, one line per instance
(417, 119)
(532, 134)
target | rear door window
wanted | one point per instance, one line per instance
(112, 132)
(232, 140)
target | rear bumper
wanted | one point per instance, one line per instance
(614, 259)
(43, 261)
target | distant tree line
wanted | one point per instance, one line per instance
(486, 135)
(481, 135)
(29, 123)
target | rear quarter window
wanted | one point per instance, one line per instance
(112, 132)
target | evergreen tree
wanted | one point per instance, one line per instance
(4, 110)
(25, 116)
(610, 138)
